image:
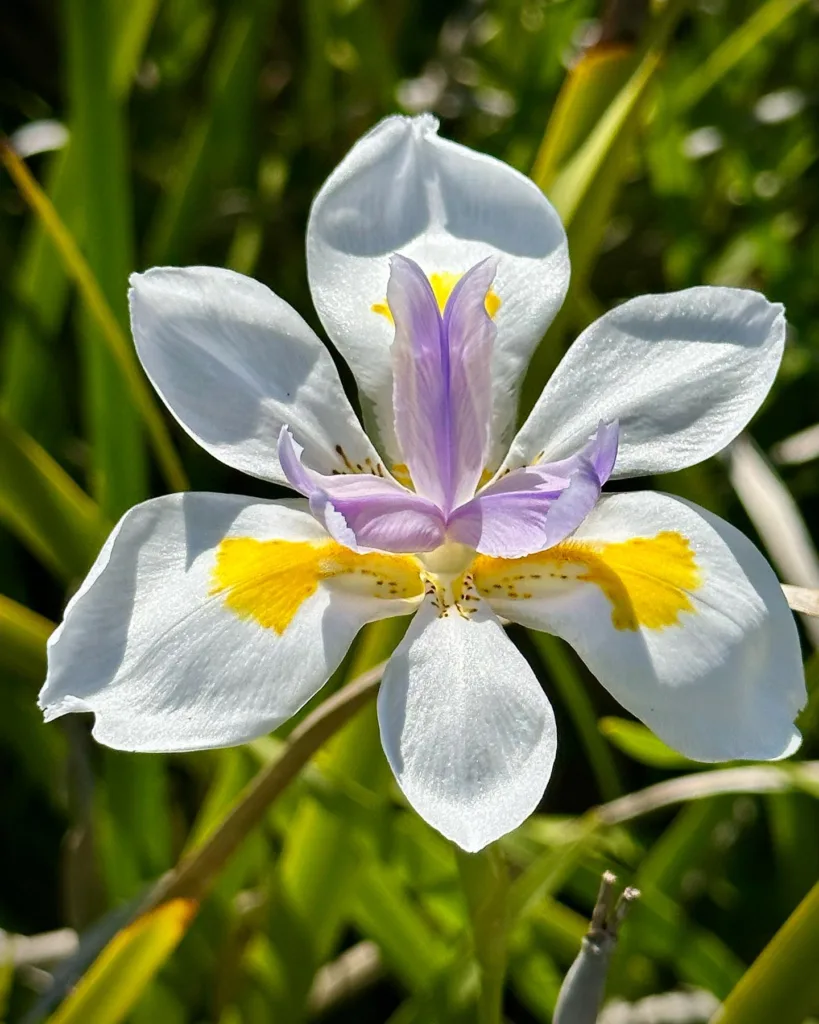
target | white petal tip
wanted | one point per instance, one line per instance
(65, 706)
(794, 744)
(470, 834)
(419, 124)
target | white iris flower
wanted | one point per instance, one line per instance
(210, 619)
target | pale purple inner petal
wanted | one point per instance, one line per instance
(362, 510)
(420, 380)
(442, 383)
(469, 334)
(537, 506)
(443, 403)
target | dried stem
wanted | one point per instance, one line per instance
(582, 991)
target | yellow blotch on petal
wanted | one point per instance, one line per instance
(383, 309)
(648, 580)
(442, 284)
(402, 474)
(269, 580)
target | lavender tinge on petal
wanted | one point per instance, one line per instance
(442, 381)
(420, 379)
(361, 510)
(469, 336)
(442, 403)
(537, 506)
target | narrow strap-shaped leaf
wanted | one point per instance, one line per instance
(23, 636)
(747, 38)
(583, 176)
(121, 349)
(40, 287)
(192, 878)
(116, 979)
(218, 136)
(782, 984)
(45, 509)
(485, 882)
(117, 464)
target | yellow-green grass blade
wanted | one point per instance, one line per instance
(99, 308)
(585, 186)
(586, 94)
(110, 989)
(131, 26)
(40, 286)
(44, 508)
(765, 19)
(641, 744)
(31, 395)
(385, 914)
(218, 136)
(117, 468)
(319, 860)
(23, 636)
(782, 984)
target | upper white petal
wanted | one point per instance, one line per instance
(466, 726)
(234, 363)
(162, 661)
(403, 189)
(683, 373)
(724, 682)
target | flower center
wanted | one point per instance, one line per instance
(449, 560)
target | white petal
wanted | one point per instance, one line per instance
(234, 363)
(152, 647)
(403, 189)
(724, 679)
(683, 373)
(465, 726)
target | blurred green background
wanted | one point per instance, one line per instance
(680, 145)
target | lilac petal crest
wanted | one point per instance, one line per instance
(442, 385)
(538, 506)
(469, 334)
(420, 378)
(360, 510)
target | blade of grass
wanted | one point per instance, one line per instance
(117, 978)
(30, 395)
(485, 883)
(194, 875)
(79, 270)
(584, 189)
(586, 93)
(44, 508)
(132, 25)
(23, 636)
(641, 744)
(41, 284)
(384, 913)
(319, 859)
(117, 469)
(778, 520)
(218, 136)
(736, 47)
(782, 984)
